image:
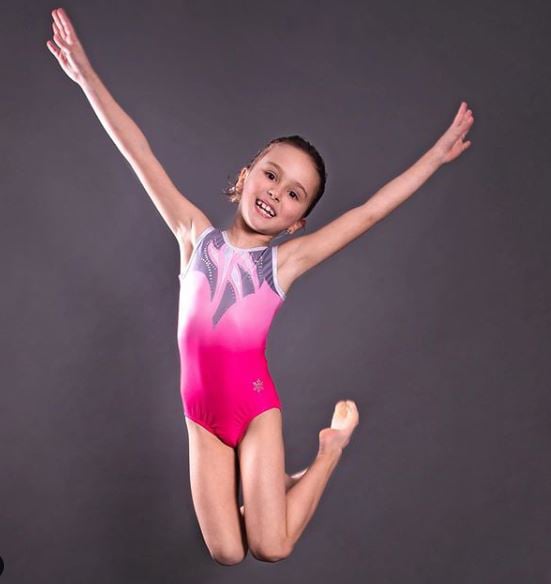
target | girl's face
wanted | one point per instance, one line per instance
(285, 179)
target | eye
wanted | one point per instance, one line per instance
(271, 174)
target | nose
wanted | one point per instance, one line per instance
(271, 193)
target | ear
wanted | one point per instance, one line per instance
(242, 176)
(300, 224)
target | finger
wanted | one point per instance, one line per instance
(59, 41)
(57, 32)
(66, 23)
(56, 52)
(466, 112)
(468, 122)
(460, 112)
(53, 48)
(56, 20)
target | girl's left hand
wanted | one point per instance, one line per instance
(450, 145)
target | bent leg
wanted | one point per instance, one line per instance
(290, 480)
(214, 489)
(274, 518)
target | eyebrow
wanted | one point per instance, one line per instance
(281, 170)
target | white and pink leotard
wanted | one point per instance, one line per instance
(228, 299)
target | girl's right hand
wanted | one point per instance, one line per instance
(70, 55)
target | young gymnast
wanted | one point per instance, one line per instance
(232, 282)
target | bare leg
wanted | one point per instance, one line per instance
(293, 479)
(303, 497)
(290, 480)
(277, 513)
(213, 480)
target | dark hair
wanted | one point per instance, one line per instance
(299, 142)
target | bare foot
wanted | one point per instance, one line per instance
(344, 421)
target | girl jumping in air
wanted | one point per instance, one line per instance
(232, 283)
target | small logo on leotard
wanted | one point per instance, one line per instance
(258, 384)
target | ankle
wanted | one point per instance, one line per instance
(329, 453)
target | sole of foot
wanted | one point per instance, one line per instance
(343, 423)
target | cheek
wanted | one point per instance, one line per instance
(291, 210)
(258, 185)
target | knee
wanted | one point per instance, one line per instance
(271, 552)
(228, 557)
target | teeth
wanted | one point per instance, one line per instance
(265, 207)
(265, 213)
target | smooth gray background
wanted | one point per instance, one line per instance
(436, 321)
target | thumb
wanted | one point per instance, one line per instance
(52, 48)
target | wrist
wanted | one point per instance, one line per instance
(436, 155)
(87, 77)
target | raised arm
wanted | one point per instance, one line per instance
(306, 251)
(180, 214)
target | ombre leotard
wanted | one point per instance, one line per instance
(228, 299)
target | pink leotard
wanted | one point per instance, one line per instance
(228, 299)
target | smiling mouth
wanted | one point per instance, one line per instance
(264, 210)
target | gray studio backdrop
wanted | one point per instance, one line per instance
(436, 321)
